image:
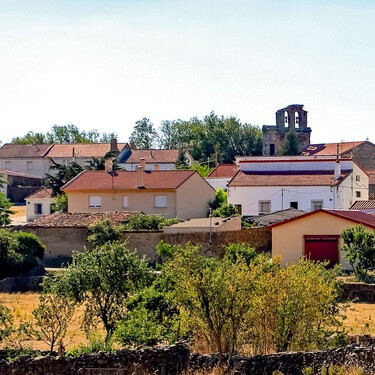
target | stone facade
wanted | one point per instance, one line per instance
(291, 118)
(60, 242)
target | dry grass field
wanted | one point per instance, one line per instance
(360, 318)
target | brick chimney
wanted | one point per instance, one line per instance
(114, 147)
(140, 182)
(108, 165)
(156, 167)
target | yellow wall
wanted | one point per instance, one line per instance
(142, 200)
(288, 240)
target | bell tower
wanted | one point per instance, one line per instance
(291, 118)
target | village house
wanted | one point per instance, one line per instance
(220, 176)
(176, 193)
(267, 184)
(39, 204)
(316, 235)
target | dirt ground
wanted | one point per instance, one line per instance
(19, 216)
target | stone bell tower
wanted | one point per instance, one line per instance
(291, 118)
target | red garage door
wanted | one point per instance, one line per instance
(322, 248)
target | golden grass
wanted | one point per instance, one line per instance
(22, 305)
(360, 318)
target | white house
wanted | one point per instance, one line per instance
(221, 175)
(267, 184)
(38, 204)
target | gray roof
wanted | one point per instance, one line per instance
(276, 217)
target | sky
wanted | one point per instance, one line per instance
(106, 64)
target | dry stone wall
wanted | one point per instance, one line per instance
(174, 359)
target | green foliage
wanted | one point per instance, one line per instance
(96, 344)
(60, 203)
(18, 252)
(359, 246)
(291, 144)
(144, 135)
(236, 251)
(297, 308)
(101, 279)
(220, 199)
(141, 221)
(226, 210)
(103, 231)
(152, 316)
(5, 212)
(220, 206)
(61, 175)
(6, 323)
(64, 134)
(213, 137)
(52, 317)
(203, 169)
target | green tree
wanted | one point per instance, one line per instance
(64, 134)
(359, 246)
(141, 221)
(104, 231)
(52, 317)
(101, 279)
(291, 144)
(61, 175)
(144, 135)
(215, 294)
(60, 203)
(18, 252)
(6, 322)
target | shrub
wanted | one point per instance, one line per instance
(141, 221)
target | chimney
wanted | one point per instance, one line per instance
(156, 167)
(114, 147)
(108, 165)
(140, 183)
(143, 163)
(337, 174)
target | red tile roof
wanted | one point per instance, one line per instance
(224, 171)
(40, 194)
(153, 156)
(357, 217)
(330, 148)
(10, 150)
(287, 178)
(81, 150)
(65, 219)
(127, 180)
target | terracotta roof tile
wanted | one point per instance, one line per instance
(330, 148)
(287, 178)
(371, 175)
(81, 150)
(153, 156)
(224, 171)
(40, 194)
(65, 219)
(127, 180)
(10, 150)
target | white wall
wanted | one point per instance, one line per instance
(30, 208)
(38, 166)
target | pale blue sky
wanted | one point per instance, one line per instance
(105, 64)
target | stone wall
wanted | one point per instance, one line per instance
(359, 292)
(60, 242)
(173, 359)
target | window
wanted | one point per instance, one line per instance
(358, 194)
(357, 177)
(29, 165)
(264, 207)
(161, 201)
(316, 205)
(294, 205)
(95, 201)
(37, 209)
(125, 201)
(8, 165)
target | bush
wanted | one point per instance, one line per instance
(18, 252)
(103, 231)
(141, 221)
